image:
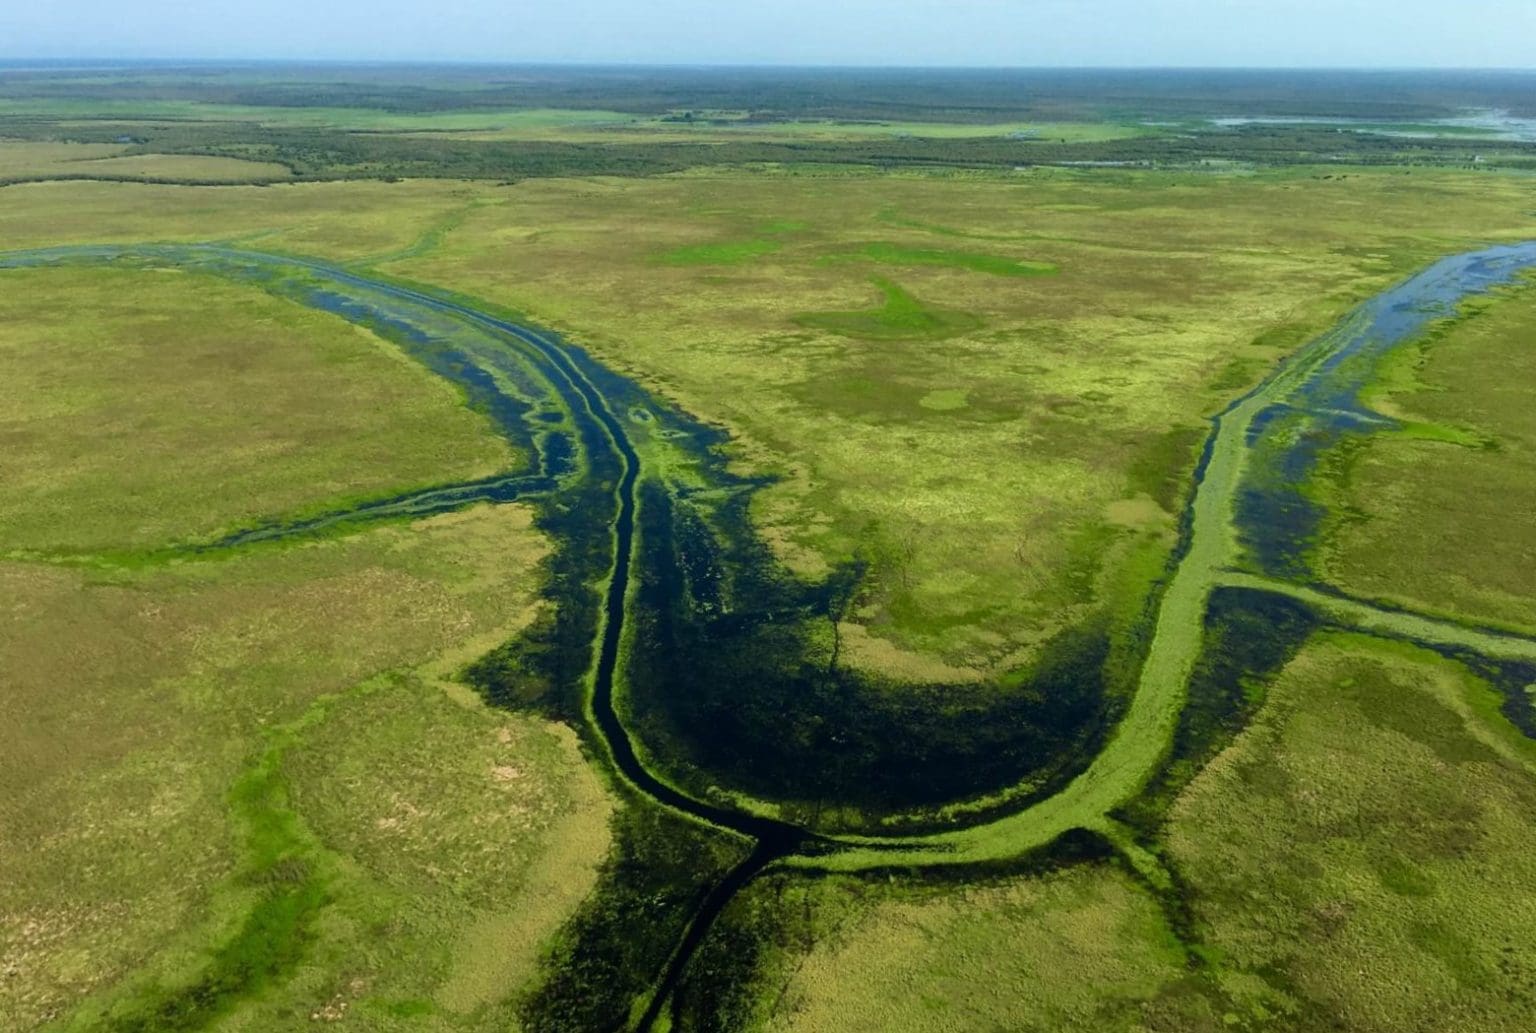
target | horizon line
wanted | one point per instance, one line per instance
(544, 63)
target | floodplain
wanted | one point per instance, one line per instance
(763, 595)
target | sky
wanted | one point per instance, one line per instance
(1201, 33)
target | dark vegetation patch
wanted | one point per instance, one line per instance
(1278, 520)
(870, 94)
(736, 673)
(612, 953)
(329, 153)
(1162, 464)
(1513, 680)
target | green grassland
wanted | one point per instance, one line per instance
(123, 391)
(1428, 518)
(26, 160)
(1082, 950)
(342, 221)
(33, 158)
(573, 124)
(1056, 428)
(1003, 452)
(901, 317)
(1359, 856)
(276, 725)
(223, 776)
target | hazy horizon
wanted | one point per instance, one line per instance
(1353, 35)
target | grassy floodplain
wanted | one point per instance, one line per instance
(1003, 454)
(123, 387)
(1415, 512)
(278, 723)
(1057, 427)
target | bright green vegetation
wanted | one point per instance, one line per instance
(996, 265)
(1358, 858)
(1426, 518)
(122, 390)
(901, 318)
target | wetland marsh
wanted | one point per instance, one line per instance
(509, 371)
(797, 589)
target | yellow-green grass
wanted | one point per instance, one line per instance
(27, 158)
(514, 120)
(140, 408)
(1433, 518)
(1359, 859)
(198, 167)
(169, 729)
(36, 160)
(1082, 950)
(1070, 412)
(341, 221)
(1082, 393)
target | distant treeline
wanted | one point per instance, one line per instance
(911, 94)
(314, 154)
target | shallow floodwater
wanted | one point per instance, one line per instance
(1276, 521)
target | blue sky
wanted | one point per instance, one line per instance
(1273, 33)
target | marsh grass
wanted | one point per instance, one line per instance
(124, 388)
(1422, 518)
(1355, 855)
(1083, 949)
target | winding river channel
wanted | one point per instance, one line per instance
(580, 426)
